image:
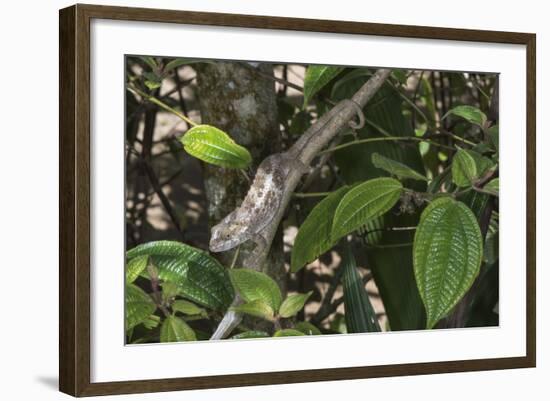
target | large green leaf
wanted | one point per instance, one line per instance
(138, 306)
(469, 113)
(313, 238)
(317, 76)
(257, 308)
(396, 168)
(293, 304)
(200, 277)
(174, 329)
(447, 256)
(360, 315)
(257, 286)
(134, 267)
(363, 203)
(214, 146)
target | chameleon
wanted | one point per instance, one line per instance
(259, 206)
(264, 198)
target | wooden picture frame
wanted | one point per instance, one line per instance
(74, 206)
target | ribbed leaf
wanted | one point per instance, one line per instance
(288, 333)
(200, 277)
(254, 286)
(134, 267)
(317, 76)
(187, 308)
(214, 146)
(395, 168)
(174, 329)
(313, 238)
(293, 304)
(360, 315)
(469, 113)
(307, 328)
(250, 334)
(257, 308)
(363, 203)
(447, 254)
(138, 306)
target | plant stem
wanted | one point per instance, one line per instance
(310, 194)
(385, 138)
(163, 105)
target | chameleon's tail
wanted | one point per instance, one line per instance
(229, 322)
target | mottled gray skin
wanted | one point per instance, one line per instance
(260, 205)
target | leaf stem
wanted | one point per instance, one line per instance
(163, 105)
(385, 138)
(310, 194)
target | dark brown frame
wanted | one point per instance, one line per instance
(74, 213)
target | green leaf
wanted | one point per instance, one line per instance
(174, 329)
(468, 166)
(169, 291)
(151, 322)
(177, 62)
(313, 238)
(464, 168)
(293, 304)
(187, 308)
(256, 286)
(199, 277)
(152, 80)
(257, 308)
(138, 306)
(493, 136)
(214, 146)
(288, 333)
(307, 328)
(364, 202)
(398, 169)
(150, 61)
(360, 315)
(492, 186)
(134, 267)
(447, 254)
(317, 76)
(250, 334)
(469, 113)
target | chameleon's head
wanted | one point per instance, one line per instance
(225, 235)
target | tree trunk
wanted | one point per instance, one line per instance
(241, 102)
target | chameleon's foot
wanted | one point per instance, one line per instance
(356, 125)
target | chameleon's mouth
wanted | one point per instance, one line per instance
(218, 247)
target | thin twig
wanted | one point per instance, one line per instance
(163, 198)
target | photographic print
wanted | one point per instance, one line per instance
(276, 199)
